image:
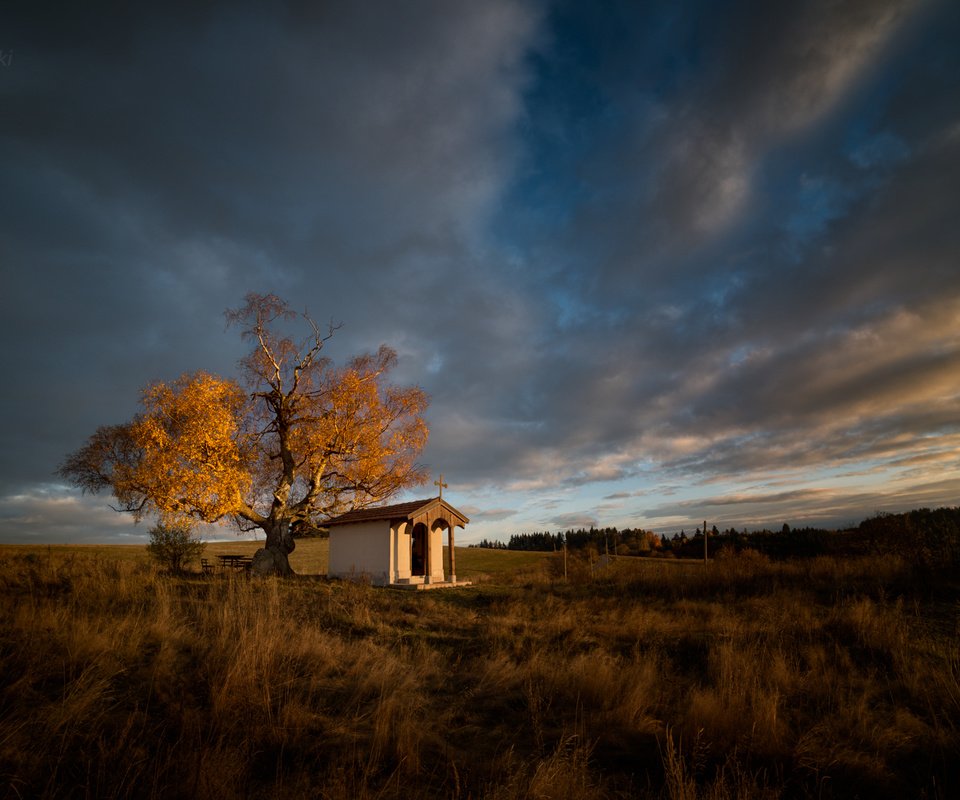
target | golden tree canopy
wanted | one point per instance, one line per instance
(307, 441)
(192, 461)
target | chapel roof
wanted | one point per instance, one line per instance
(433, 507)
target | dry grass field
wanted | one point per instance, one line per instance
(748, 679)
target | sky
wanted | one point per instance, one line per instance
(654, 262)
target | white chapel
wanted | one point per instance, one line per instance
(400, 544)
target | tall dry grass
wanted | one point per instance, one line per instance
(747, 679)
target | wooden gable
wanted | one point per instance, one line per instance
(425, 511)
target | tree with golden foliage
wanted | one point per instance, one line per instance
(305, 442)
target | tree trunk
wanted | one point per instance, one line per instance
(272, 558)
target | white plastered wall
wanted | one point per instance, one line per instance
(360, 549)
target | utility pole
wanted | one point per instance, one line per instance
(706, 553)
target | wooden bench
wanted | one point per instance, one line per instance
(235, 562)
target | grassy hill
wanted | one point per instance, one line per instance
(748, 679)
(309, 558)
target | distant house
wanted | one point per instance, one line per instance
(399, 544)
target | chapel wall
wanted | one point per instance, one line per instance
(360, 550)
(401, 548)
(436, 554)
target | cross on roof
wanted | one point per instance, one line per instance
(441, 484)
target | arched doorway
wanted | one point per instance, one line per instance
(418, 550)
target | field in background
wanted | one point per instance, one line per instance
(309, 557)
(820, 678)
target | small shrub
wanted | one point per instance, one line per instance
(174, 545)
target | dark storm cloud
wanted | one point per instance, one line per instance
(705, 94)
(613, 244)
(780, 284)
(158, 165)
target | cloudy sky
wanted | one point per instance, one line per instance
(654, 262)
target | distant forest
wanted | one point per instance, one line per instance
(930, 538)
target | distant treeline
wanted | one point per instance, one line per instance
(625, 542)
(929, 538)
